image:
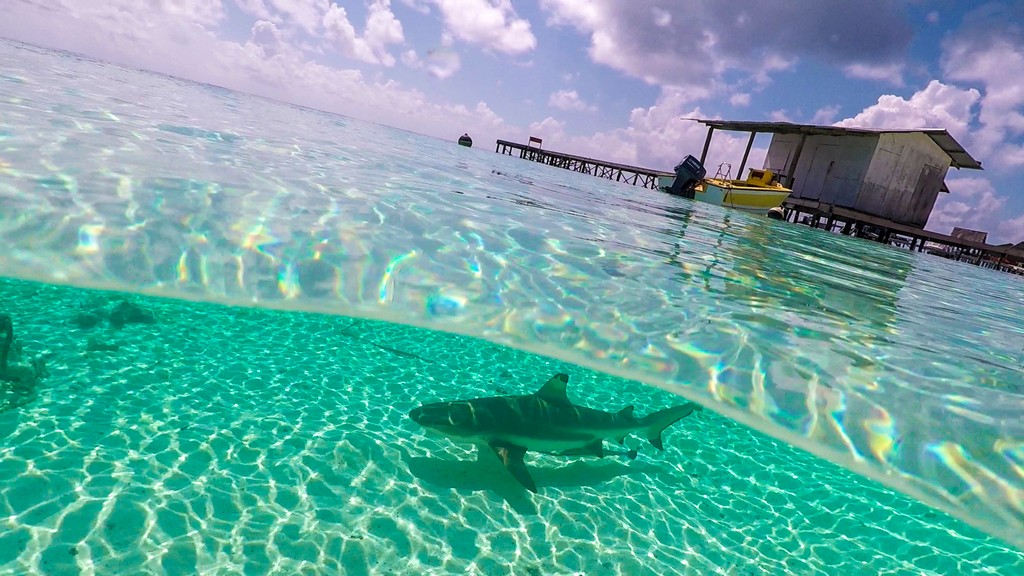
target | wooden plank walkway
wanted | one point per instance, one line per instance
(829, 217)
(618, 172)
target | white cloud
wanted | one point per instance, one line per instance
(441, 63)
(421, 6)
(972, 203)
(662, 136)
(1013, 229)
(548, 129)
(983, 110)
(825, 115)
(614, 43)
(135, 32)
(656, 137)
(382, 29)
(997, 65)
(174, 43)
(306, 14)
(662, 18)
(489, 23)
(268, 38)
(569, 100)
(938, 105)
(769, 66)
(341, 31)
(932, 17)
(206, 12)
(740, 99)
(694, 42)
(1012, 154)
(988, 119)
(255, 8)
(891, 73)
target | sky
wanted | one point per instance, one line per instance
(610, 79)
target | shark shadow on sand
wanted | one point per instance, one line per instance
(546, 422)
(487, 473)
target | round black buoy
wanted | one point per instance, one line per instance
(466, 141)
(777, 213)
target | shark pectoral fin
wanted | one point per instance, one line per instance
(554, 389)
(512, 457)
(595, 448)
(626, 412)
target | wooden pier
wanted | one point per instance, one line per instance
(854, 223)
(618, 172)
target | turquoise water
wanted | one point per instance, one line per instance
(254, 419)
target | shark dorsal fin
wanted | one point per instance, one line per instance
(554, 389)
(627, 411)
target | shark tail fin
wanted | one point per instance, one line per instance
(657, 422)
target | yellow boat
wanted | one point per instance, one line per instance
(759, 193)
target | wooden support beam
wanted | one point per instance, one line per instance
(746, 153)
(707, 144)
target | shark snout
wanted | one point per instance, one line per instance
(431, 415)
(417, 415)
(443, 415)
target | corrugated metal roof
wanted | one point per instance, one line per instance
(958, 157)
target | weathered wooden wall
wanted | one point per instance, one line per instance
(830, 168)
(903, 179)
(896, 176)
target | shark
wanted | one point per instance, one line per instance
(545, 422)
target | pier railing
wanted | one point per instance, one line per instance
(618, 172)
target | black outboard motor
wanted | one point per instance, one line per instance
(689, 173)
